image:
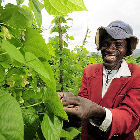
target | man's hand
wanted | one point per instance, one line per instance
(64, 95)
(83, 108)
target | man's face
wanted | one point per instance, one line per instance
(112, 52)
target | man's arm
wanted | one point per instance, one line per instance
(126, 117)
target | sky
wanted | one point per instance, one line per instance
(100, 13)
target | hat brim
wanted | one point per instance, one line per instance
(115, 33)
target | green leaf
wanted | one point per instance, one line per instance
(2, 73)
(11, 121)
(49, 70)
(19, 2)
(51, 49)
(35, 44)
(70, 133)
(28, 94)
(16, 77)
(16, 16)
(41, 5)
(71, 38)
(53, 103)
(69, 19)
(51, 127)
(54, 29)
(33, 62)
(63, 7)
(13, 52)
(2, 137)
(31, 123)
(35, 6)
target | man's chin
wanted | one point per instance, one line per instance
(109, 64)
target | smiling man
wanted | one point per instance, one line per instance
(108, 102)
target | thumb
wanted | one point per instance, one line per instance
(60, 95)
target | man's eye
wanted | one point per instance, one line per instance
(105, 44)
(118, 45)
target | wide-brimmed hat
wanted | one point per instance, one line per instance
(117, 30)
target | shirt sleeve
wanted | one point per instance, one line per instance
(106, 123)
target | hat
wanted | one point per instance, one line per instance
(117, 30)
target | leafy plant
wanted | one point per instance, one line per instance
(30, 107)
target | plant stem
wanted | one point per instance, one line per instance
(61, 47)
(31, 105)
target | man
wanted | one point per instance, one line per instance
(108, 102)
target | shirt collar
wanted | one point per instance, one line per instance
(122, 72)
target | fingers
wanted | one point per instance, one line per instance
(68, 94)
(65, 94)
(71, 100)
(60, 95)
(72, 110)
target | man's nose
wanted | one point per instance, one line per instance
(111, 47)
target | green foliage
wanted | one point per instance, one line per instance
(53, 124)
(31, 123)
(35, 6)
(33, 62)
(53, 103)
(137, 134)
(70, 133)
(19, 17)
(130, 59)
(33, 40)
(72, 63)
(63, 7)
(2, 73)
(29, 105)
(12, 51)
(138, 59)
(11, 122)
(19, 2)
(95, 58)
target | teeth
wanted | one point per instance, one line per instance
(111, 57)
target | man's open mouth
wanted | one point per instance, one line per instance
(110, 57)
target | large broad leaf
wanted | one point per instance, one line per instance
(70, 133)
(35, 6)
(35, 44)
(53, 103)
(50, 97)
(12, 51)
(33, 62)
(16, 16)
(49, 69)
(51, 127)
(31, 123)
(63, 7)
(11, 121)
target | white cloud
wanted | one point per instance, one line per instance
(101, 13)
